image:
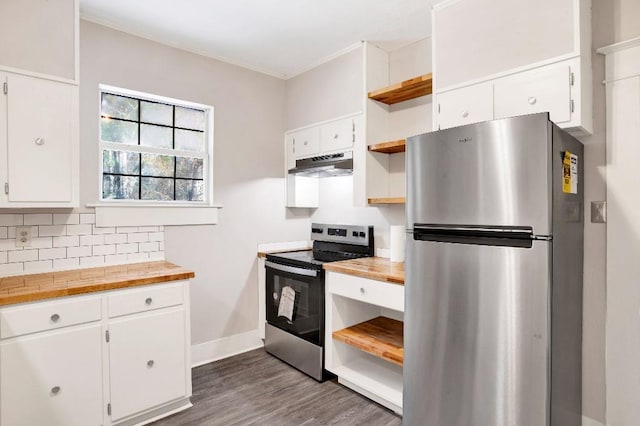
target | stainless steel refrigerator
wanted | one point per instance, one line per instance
(493, 293)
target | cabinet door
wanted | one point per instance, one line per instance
(465, 106)
(52, 378)
(41, 119)
(542, 90)
(306, 143)
(338, 135)
(147, 361)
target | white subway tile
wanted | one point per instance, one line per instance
(11, 220)
(79, 251)
(147, 229)
(115, 238)
(126, 229)
(39, 266)
(53, 253)
(161, 245)
(87, 218)
(6, 245)
(102, 230)
(138, 237)
(38, 219)
(103, 250)
(3, 232)
(115, 259)
(3, 257)
(84, 229)
(22, 256)
(66, 219)
(52, 230)
(156, 255)
(11, 269)
(127, 248)
(92, 261)
(66, 241)
(69, 263)
(42, 242)
(156, 236)
(11, 232)
(138, 257)
(145, 247)
(161, 228)
(91, 240)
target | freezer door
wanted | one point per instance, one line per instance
(476, 334)
(492, 173)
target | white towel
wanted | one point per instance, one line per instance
(287, 301)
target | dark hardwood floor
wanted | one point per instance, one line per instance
(255, 388)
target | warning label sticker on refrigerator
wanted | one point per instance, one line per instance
(570, 173)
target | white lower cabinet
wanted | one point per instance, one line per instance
(67, 361)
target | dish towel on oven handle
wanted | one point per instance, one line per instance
(287, 300)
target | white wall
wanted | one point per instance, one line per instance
(248, 164)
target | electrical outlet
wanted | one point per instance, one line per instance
(23, 236)
(598, 212)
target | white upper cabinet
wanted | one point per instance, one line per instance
(338, 135)
(468, 105)
(306, 143)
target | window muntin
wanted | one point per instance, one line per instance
(154, 149)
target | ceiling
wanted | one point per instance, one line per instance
(278, 37)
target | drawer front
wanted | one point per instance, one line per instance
(468, 105)
(42, 316)
(306, 143)
(337, 136)
(145, 299)
(365, 290)
(543, 90)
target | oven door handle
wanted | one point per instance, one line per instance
(292, 269)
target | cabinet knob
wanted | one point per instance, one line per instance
(306, 143)
(336, 136)
(465, 114)
(361, 290)
(532, 100)
(39, 141)
(55, 318)
(148, 301)
(55, 390)
(150, 363)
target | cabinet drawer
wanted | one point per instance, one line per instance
(468, 105)
(43, 316)
(306, 143)
(338, 135)
(365, 290)
(145, 299)
(542, 90)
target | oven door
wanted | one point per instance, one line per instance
(305, 316)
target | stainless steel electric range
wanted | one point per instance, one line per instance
(295, 294)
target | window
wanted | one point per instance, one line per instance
(154, 149)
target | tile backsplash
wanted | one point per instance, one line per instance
(71, 241)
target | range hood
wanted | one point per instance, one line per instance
(340, 164)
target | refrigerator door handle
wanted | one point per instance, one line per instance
(516, 236)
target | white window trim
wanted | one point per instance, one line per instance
(150, 213)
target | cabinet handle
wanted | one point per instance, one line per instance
(55, 390)
(39, 141)
(532, 100)
(55, 318)
(361, 290)
(465, 114)
(150, 363)
(148, 301)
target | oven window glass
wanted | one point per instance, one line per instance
(295, 303)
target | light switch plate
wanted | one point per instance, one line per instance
(599, 212)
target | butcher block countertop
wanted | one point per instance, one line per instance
(28, 288)
(375, 268)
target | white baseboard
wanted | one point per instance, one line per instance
(225, 347)
(588, 421)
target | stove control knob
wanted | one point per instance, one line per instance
(355, 233)
(362, 234)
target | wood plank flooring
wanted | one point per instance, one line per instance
(255, 388)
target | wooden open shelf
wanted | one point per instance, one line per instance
(381, 337)
(387, 200)
(391, 147)
(408, 89)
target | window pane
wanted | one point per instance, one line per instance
(119, 107)
(151, 112)
(121, 162)
(189, 118)
(119, 131)
(157, 189)
(189, 167)
(157, 165)
(160, 137)
(188, 140)
(120, 187)
(189, 190)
